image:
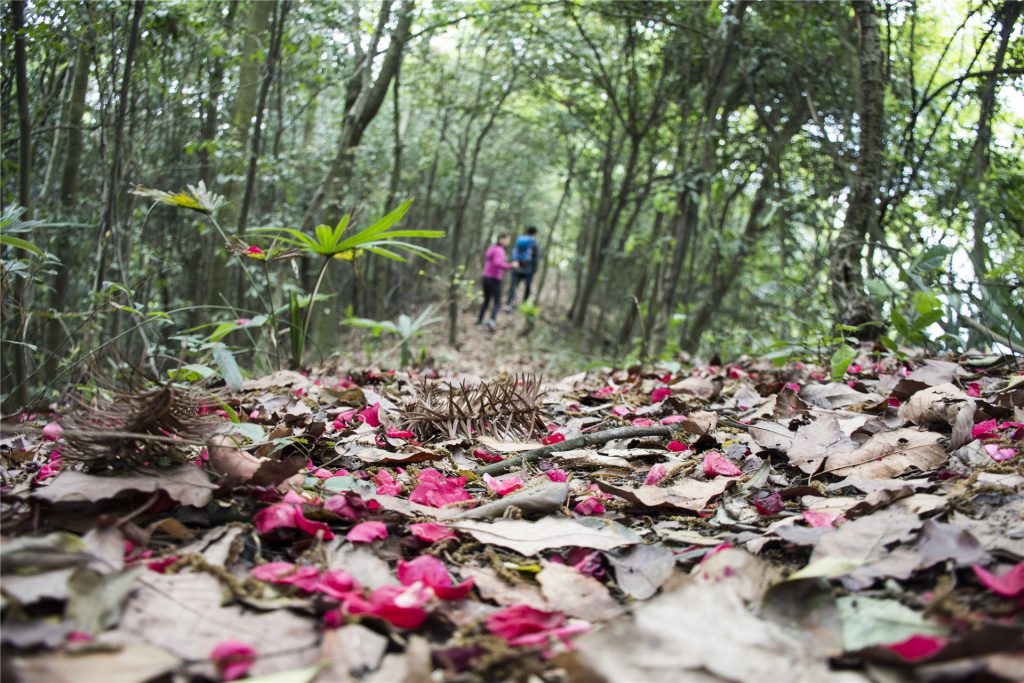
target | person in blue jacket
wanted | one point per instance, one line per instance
(527, 253)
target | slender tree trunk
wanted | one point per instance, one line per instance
(277, 31)
(846, 268)
(365, 105)
(1008, 14)
(549, 239)
(19, 360)
(211, 107)
(109, 221)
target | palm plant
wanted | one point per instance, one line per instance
(331, 243)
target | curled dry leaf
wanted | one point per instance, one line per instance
(186, 484)
(530, 538)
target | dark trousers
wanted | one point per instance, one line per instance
(492, 296)
(516, 278)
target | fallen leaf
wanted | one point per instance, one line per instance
(641, 570)
(935, 405)
(688, 494)
(351, 651)
(502, 446)
(815, 442)
(702, 632)
(568, 590)
(873, 621)
(529, 538)
(182, 614)
(835, 395)
(132, 663)
(493, 587)
(186, 484)
(888, 454)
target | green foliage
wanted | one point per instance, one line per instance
(404, 328)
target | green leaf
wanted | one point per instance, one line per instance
(193, 372)
(841, 360)
(873, 621)
(252, 432)
(228, 367)
(389, 220)
(19, 243)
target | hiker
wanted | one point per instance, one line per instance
(495, 266)
(527, 254)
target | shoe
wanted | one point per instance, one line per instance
(479, 324)
(491, 324)
(508, 308)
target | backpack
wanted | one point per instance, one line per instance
(523, 252)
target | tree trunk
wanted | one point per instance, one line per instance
(1007, 16)
(109, 221)
(19, 359)
(849, 298)
(364, 107)
(549, 239)
(211, 107)
(277, 31)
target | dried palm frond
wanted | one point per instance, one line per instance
(506, 408)
(152, 427)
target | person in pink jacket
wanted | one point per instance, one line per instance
(495, 266)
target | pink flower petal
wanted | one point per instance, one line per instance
(974, 390)
(503, 486)
(818, 518)
(53, 432)
(985, 430)
(1010, 584)
(677, 446)
(557, 437)
(347, 505)
(398, 605)
(642, 422)
(619, 411)
(999, 454)
(431, 532)
(770, 505)
(304, 577)
(716, 464)
(660, 394)
(337, 584)
(589, 507)
(673, 419)
(556, 475)
(400, 434)
(386, 483)
(367, 532)
(523, 626)
(289, 516)
(656, 474)
(233, 659)
(486, 456)
(432, 573)
(917, 647)
(371, 415)
(436, 490)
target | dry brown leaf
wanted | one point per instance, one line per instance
(936, 372)
(936, 405)
(701, 422)
(282, 379)
(133, 663)
(182, 614)
(866, 541)
(352, 651)
(702, 632)
(889, 454)
(503, 446)
(688, 494)
(529, 538)
(578, 595)
(186, 484)
(815, 442)
(640, 570)
(835, 395)
(700, 387)
(493, 587)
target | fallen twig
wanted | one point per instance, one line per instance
(597, 438)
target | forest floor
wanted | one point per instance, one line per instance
(747, 522)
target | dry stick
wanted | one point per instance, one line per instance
(597, 438)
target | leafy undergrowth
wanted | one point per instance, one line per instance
(741, 523)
